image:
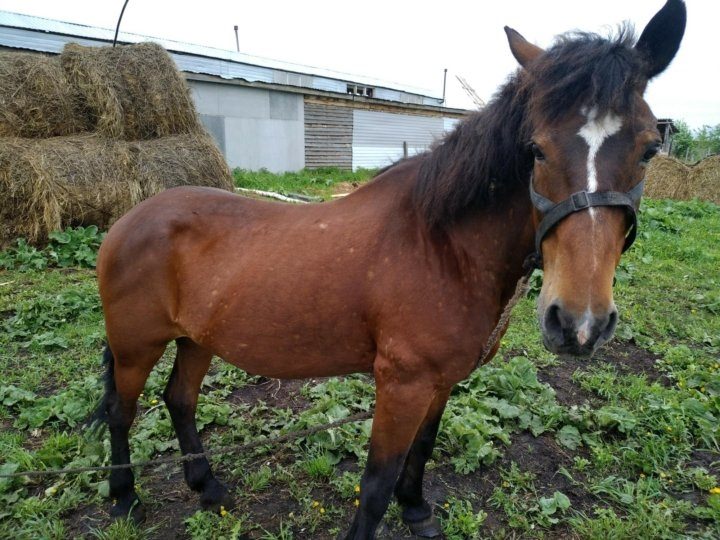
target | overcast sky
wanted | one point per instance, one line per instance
(410, 43)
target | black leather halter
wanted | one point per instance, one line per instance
(580, 200)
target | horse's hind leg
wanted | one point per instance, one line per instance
(126, 378)
(181, 396)
(417, 513)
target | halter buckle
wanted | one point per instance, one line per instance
(580, 200)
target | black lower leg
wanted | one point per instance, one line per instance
(122, 481)
(198, 474)
(377, 484)
(417, 513)
(409, 487)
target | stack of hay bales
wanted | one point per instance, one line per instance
(667, 178)
(87, 135)
(704, 179)
(670, 178)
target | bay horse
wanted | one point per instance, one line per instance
(404, 278)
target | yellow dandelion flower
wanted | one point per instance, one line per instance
(715, 491)
(223, 512)
(153, 402)
(322, 510)
(315, 504)
(357, 502)
(357, 489)
(663, 475)
(446, 505)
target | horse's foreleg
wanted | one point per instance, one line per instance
(409, 491)
(181, 396)
(126, 380)
(402, 402)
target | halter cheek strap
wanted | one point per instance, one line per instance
(580, 200)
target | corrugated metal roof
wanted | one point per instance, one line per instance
(47, 35)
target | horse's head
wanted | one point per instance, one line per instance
(592, 135)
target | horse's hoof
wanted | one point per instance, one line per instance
(426, 528)
(216, 498)
(132, 509)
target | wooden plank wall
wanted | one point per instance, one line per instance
(328, 136)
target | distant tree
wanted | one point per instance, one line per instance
(683, 140)
(694, 145)
(707, 140)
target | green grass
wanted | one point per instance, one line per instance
(645, 455)
(319, 183)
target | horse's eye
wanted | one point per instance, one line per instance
(537, 152)
(650, 153)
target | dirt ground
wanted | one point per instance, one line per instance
(540, 455)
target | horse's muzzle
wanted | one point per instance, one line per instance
(568, 333)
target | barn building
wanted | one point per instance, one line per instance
(269, 114)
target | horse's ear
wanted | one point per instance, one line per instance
(523, 51)
(661, 38)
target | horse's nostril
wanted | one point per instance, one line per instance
(553, 322)
(610, 326)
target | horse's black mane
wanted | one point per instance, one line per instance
(487, 156)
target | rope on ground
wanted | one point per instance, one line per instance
(520, 291)
(189, 457)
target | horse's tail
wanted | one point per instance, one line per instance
(100, 416)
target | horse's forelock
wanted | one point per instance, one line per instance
(585, 68)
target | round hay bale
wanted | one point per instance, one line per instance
(667, 178)
(704, 179)
(182, 160)
(36, 100)
(132, 92)
(50, 184)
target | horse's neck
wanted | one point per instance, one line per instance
(498, 239)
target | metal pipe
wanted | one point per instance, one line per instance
(117, 27)
(444, 83)
(237, 39)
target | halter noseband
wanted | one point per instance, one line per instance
(580, 200)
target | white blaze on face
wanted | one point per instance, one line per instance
(595, 132)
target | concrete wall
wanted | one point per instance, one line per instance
(254, 128)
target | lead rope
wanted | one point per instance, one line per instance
(520, 290)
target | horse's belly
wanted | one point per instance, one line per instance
(299, 347)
